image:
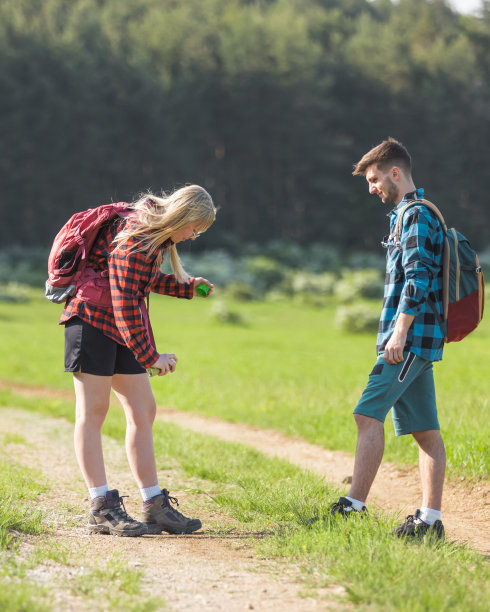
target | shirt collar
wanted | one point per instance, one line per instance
(416, 194)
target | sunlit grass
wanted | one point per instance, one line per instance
(287, 368)
(272, 501)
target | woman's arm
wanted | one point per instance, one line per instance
(166, 284)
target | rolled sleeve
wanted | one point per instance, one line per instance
(167, 284)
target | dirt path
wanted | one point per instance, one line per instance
(205, 571)
(466, 508)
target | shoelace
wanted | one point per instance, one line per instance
(121, 512)
(168, 498)
(411, 519)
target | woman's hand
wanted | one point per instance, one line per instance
(166, 363)
(198, 280)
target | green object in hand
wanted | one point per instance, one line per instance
(153, 371)
(202, 289)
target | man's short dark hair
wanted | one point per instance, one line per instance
(387, 154)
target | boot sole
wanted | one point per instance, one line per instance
(420, 536)
(155, 528)
(106, 530)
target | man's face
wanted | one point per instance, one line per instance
(382, 184)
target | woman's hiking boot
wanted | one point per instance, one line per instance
(415, 527)
(159, 515)
(108, 515)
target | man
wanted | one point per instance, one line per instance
(409, 341)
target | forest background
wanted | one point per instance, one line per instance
(266, 103)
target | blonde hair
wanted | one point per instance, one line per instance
(156, 218)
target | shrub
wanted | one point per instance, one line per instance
(355, 284)
(360, 260)
(316, 284)
(264, 273)
(242, 292)
(222, 314)
(357, 318)
(14, 292)
(217, 266)
(26, 265)
(484, 259)
(316, 257)
(321, 257)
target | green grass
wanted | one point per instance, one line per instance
(288, 368)
(18, 487)
(272, 498)
(272, 501)
(118, 585)
(17, 597)
(110, 580)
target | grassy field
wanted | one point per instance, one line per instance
(272, 501)
(286, 367)
(20, 515)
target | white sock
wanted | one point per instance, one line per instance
(429, 516)
(150, 492)
(98, 491)
(356, 504)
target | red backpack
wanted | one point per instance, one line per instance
(71, 248)
(463, 292)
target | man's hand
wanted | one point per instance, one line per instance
(396, 344)
(394, 349)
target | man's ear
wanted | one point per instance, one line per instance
(396, 174)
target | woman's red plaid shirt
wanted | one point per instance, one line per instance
(132, 276)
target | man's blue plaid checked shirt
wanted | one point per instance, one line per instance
(412, 275)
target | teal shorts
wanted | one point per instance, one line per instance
(407, 388)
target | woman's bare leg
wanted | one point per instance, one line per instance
(135, 394)
(93, 396)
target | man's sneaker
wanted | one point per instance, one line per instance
(158, 515)
(108, 515)
(415, 527)
(344, 508)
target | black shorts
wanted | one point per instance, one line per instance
(88, 350)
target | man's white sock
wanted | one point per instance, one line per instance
(429, 516)
(150, 492)
(98, 491)
(356, 504)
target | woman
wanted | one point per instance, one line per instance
(109, 344)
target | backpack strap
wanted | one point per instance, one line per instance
(445, 256)
(398, 227)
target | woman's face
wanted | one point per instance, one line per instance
(188, 232)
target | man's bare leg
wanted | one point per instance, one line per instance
(369, 453)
